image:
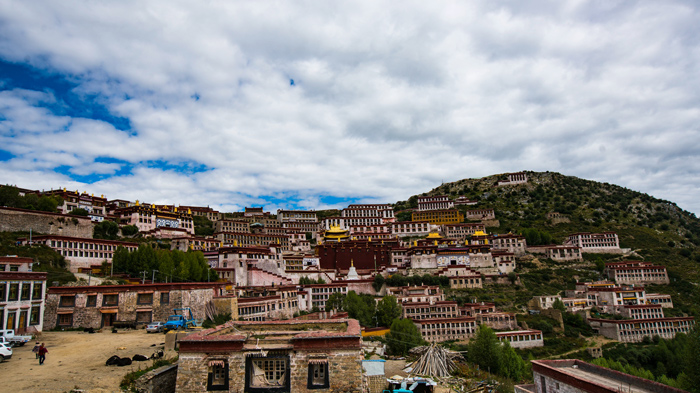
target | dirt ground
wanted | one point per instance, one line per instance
(77, 360)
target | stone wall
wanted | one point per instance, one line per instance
(160, 380)
(91, 316)
(344, 370)
(13, 220)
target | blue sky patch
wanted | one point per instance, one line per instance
(68, 102)
(6, 155)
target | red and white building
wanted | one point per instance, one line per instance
(82, 253)
(22, 294)
(440, 202)
(595, 242)
(636, 272)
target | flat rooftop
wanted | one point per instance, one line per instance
(589, 377)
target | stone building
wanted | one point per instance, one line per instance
(21, 295)
(576, 376)
(426, 310)
(480, 214)
(103, 305)
(275, 356)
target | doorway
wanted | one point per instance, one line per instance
(108, 319)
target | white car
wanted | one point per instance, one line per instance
(5, 352)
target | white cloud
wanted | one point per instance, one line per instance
(389, 100)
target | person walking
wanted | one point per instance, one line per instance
(42, 353)
(36, 350)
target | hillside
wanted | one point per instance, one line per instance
(657, 230)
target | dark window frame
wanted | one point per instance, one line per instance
(164, 298)
(249, 369)
(66, 303)
(91, 301)
(35, 311)
(60, 316)
(37, 288)
(147, 296)
(211, 386)
(326, 381)
(13, 292)
(25, 291)
(106, 303)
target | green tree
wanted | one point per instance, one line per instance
(403, 335)
(129, 230)
(9, 196)
(559, 305)
(511, 365)
(388, 309)
(484, 349)
(79, 212)
(691, 360)
(361, 307)
(378, 282)
(106, 230)
(336, 302)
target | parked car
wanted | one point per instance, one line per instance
(9, 334)
(5, 352)
(154, 327)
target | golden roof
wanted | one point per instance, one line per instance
(434, 235)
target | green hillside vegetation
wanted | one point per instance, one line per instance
(657, 230)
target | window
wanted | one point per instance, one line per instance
(3, 292)
(318, 374)
(269, 374)
(218, 375)
(65, 319)
(110, 300)
(144, 298)
(165, 298)
(14, 292)
(14, 268)
(36, 291)
(34, 316)
(144, 316)
(67, 301)
(91, 301)
(26, 290)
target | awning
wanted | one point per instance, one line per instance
(109, 311)
(64, 312)
(318, 361)
(219, 363)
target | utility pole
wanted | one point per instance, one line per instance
(143, 280)
(153, 278)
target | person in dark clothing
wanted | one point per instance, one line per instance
(42, 353)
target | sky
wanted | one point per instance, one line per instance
(313, 105)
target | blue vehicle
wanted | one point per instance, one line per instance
(181, 321)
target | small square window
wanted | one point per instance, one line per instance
(91, 301)
(67, 301)
(144, 298)
(318, 374)
(165, 298)
(217, 379)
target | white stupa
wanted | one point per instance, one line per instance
(352, 273)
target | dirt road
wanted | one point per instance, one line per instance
(77, 360)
